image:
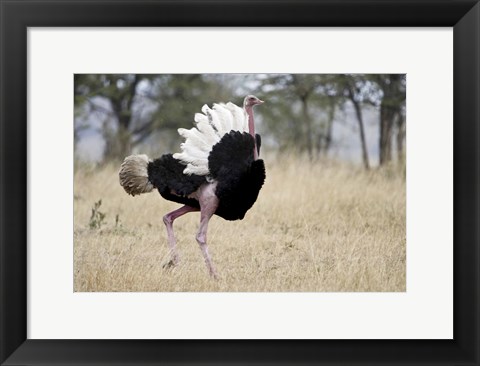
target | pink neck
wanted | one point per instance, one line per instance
(251, 130)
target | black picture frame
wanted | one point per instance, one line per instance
(17, 15)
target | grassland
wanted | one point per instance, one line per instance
(315, 227)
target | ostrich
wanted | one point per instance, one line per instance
(218, 171)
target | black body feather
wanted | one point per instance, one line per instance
(231, 163)
(239, 177)
(166, 174)
(258, 140)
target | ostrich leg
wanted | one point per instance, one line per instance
(172, 243)
(208, 205)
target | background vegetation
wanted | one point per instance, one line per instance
(142, 112)
(331, 216)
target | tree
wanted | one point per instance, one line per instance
(131, 110)
(393, 87)
(357, 90)
(137, 107)
(120, 93)
(300, 112)
(387, 93)
(179, 97)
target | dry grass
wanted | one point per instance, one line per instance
(315, 227)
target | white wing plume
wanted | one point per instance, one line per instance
(210, 126)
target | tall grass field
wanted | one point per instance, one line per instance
(316, 227)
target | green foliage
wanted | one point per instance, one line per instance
(179, 97)
(138, 112)
(97, 218)
(300, 111)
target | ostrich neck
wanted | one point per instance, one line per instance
(251, 130)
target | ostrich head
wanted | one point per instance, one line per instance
(251, 101)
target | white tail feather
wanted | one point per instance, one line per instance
(209, 135)
(211, 126)
(240, 117)
(198, 170)
(196, 137)
(200, 118)
(226, 119)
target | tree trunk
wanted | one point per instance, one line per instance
(328, 134)
(358, 113)
(386, 123)
(119, 144)
(308, 123)
(400, 136)
(389, 110)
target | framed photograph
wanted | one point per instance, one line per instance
(338, 233)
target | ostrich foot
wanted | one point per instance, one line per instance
(214, 275)
(170, 264)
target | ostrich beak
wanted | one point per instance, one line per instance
(260, 101)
